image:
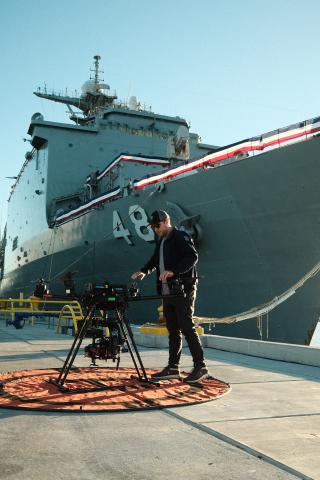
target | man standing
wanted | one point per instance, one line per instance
(175, 257)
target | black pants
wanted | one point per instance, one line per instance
(178, 313)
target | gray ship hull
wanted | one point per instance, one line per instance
(259, 220)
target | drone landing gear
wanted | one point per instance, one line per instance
(106, 347)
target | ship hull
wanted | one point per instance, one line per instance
(260, 222)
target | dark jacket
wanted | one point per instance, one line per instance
(180, 256)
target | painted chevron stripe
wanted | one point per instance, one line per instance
(87, 206)
(270, 139)
(276, 137)
(133, 159)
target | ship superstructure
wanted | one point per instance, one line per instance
(85, 192)
(66, 167)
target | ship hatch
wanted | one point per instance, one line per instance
(38, 142)
(65, 203)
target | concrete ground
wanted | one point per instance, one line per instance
(267, 427)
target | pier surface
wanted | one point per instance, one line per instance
(267, 427)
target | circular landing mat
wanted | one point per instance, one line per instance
(97, 389)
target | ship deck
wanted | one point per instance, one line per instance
(267, 427)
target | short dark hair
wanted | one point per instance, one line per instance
(158, 216)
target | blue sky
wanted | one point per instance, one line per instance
(233, 68)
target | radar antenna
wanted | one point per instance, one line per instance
(96, 70)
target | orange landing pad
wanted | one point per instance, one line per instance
(32, 390)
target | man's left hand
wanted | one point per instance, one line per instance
(166, 274)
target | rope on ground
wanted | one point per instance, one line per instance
(258, 311)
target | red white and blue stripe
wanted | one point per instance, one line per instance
(133, 159)
(270, 139)
(274, 138)
(84, 208)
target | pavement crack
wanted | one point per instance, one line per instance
(286, 380)
(237, 444)
(262, 418)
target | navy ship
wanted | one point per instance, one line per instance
(80, 208)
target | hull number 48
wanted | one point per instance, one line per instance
(137, 220)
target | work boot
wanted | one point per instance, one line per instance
(197, 374)
(167, 373)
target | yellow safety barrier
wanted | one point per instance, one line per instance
(35, 307)
(161, 327)
(69, 312)
(156, 329)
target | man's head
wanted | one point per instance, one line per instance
(160, 223)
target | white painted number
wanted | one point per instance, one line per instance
(118, 229)
(140, 220)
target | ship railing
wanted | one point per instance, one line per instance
(58, 93)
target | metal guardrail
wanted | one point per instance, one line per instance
(34, 307)
(71, 312)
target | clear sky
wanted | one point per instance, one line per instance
(232, 68)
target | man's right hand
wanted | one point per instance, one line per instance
(138, 275)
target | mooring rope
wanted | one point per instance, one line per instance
(263, 309)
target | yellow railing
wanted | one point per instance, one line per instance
(71, 312)
(34, 306)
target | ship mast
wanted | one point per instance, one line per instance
(92, 99)
(96, 70)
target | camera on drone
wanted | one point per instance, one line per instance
(106, 346)
(107, 337)
(105, 306)
(109, 297)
